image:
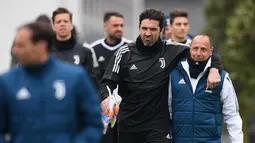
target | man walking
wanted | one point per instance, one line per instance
(103, 51)
(46, 100)
(197, 112)
(66, 47)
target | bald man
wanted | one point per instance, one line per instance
(197, 112)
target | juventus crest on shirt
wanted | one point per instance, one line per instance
(73, 52)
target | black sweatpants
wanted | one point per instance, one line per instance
(111, 135)
(150, 136)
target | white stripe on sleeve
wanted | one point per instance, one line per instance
(118, 57)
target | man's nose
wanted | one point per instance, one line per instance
(119, 28)
(199, 53)
(62, 23)
(182, 26)
(14, 50)
(148, 33)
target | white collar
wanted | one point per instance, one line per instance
(185, 66)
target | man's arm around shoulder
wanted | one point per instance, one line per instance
(177, 52)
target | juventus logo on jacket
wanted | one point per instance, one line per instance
(162, 62)
(60, 89)
(76, 59)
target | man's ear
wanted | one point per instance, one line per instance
(53, 28)
(162, 31)
(105, 26)
(211, 50)
(72, 27)
(41, 44)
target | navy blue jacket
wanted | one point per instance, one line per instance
(196, 117)
(50, 103)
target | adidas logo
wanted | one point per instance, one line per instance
(182, 81)
(101, 59)
(168, 136)
(133, 67)
(23, 94)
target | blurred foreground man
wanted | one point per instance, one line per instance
(197, 112)
(44, 19)
(44, 100)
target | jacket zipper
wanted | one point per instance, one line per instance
(187, 79)
(42, 102)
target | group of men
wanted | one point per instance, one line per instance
(170, 92)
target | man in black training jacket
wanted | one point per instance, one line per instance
(66, 47)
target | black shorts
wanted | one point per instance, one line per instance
(111, 135)
(150, 136)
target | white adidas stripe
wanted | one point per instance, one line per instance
(121, 51)
(118, 59)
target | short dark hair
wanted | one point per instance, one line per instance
(61, 10)
(43, 18)
(109, 14)
(177, 13)
(40, 32)
(152, 14)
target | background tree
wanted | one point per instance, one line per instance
(231, 24)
